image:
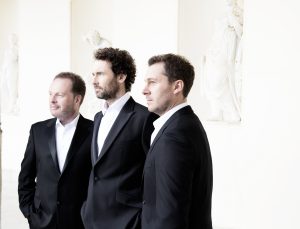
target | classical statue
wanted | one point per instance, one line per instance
(9, 77)
(222, 65)
(93, 38)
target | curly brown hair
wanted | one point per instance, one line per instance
(121, 63)
(176, 68)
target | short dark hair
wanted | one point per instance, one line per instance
(78, 84)
(121, 63)
(176, 68)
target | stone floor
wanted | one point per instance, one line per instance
(11, 217)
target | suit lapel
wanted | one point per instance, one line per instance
(80, 134)
(123, 117)
(184, 110)
(52, 142)
(95, 149)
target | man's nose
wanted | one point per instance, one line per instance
(145, 90)
(52, 99)
(94, 79)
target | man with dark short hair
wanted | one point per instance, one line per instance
(178, 169)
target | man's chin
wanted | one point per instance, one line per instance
(53, 113)
(99, 95)
(151, 109)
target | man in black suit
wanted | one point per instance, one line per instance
(121, 139)
(55, 170)
(178, 167)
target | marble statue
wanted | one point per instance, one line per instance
(9, 77)
(93, 38)
(222, 66)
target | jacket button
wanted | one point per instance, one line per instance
(96, 178)
(144, 202)
(58, 203)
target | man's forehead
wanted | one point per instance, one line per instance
(156, 70)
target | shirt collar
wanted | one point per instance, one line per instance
(116, 105)
(71, 124)
(158, 123)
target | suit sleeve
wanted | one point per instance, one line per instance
(26, 186)
(174, 174)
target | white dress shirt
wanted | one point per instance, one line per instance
(110, 115)
(158, 123)
(64, 136)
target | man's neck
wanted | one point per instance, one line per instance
(69, 119)
(109, 102)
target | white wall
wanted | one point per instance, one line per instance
(256, 162)
(44, 50)
(271, 157)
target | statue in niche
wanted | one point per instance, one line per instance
(222, 66)
(93, 38)
(9, 77)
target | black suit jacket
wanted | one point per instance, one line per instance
(48, 198)
(114, 194)
(178, 176)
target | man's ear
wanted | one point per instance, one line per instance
(78, 99)
(121, 78)
(178, 86)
